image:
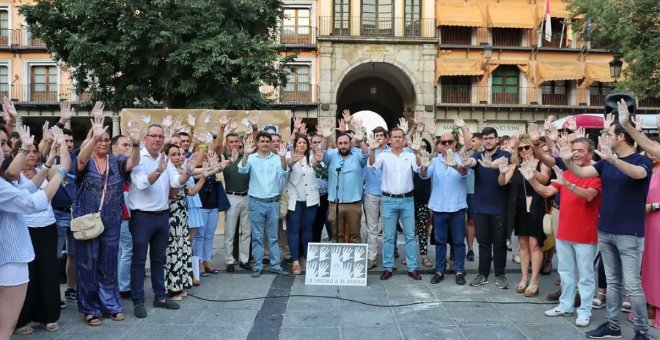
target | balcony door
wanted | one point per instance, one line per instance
(341, 18)
(505, 85)
(43, 83)
(413, 16)
(4, 27)
(377, 17)
(296, 27)
(298, 87)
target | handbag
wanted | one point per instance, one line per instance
(90, 226)
(223, 200)
(284, 204)
(550, 220)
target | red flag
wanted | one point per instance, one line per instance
(548, 24)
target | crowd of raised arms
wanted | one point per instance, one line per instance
(158, 188)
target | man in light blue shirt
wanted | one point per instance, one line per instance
(372, 196)
(265, 169)
(448, 203)
(345, 165)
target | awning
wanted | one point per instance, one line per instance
(458, 67)
(459, 14)
(598, 72)
(548, 71)
(523, 65)
(508, 16)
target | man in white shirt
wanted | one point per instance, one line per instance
(397, 201)
(148, 195)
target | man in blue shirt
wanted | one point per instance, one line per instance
(448, 203)
(489, 209)
(265, 169)
(345, 165)
(625, 175)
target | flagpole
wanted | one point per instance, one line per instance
(563, 27)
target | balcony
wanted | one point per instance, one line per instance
(297, 36)
(459, 95)
(41, 94)
(19, 39)
(376, 27)
(305, 94)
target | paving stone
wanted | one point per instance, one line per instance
(492, 332)
(155, 332)
(316, 333)
(474, 314)
(422, 317)
(381, 317)
(209, 332)
(311, 318)
(424, 333)
(385, 332)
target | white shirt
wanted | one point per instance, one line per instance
(41, 218)
(151, 197)
(397, 171)
(302, 186)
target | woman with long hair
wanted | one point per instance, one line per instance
(16, 247)
(422, 193)
(303, 198)
(100, 183)
(651, 255)
(525, 211)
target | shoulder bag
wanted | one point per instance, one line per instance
(90, 226)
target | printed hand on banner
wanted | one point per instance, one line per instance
(347, 254)
(311, 253)
(358, 269)
(359, 255)
(312, 269)
(323, 255)
(336, 255)
(167, 121)
(191, 120)
(323, 269)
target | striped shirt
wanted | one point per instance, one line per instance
(15, 244)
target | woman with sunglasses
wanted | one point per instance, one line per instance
(525, 211)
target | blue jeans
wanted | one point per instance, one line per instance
(203, 242)
(149, 232)
(576, 260)
(393, 210)
(443, 222)
(622, 258)
(64, 234)
(264, 216)
(300, 223)
(125, 255)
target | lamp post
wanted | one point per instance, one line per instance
(487, 53)
(615, 68)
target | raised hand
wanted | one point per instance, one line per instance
(624, 114)
(97, 125)
(552, 134)
(167, 121)
(425, 159)
(359, 131)
(212, 158)
(342, 126)
(572, 123)
(248, 146)
(450, 158)
(465, 157)
(234, 155)
(487, 161)
(192, 162)
(458, 121)
(534, 133)
(162, 162)
(371, 140)
(9, 112)
(548, 123)
(416, 142)
(565, 151)
(346, 114)
(580, 133)
(45, 132)
(282, 151)
(224, 120)
(559, 173)
(58, 135)
(253, 118)
(134, 132)
(609, 120)
(200, 135)
(527, 170)
(432, 129)
(97, 110)
(403, 125)
(605, 148)
(24, 133)
(503, 165)
(638, 123)
(66, 112)
(297, 123)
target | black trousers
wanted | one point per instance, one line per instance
(321, 220)
(42, 302)
(491, 235)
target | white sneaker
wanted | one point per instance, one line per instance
(556, 312)
(582, 321)
(515, 258)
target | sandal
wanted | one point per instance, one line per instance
(212, 271)
(204, 274)
(426, 262)
(93, 320)
(25, 330)
(297, 270)
(599, 301)
(51, 326)
(117, 316)
(520, 288)
(532, 290)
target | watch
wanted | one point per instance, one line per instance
(572, 187)
(159, 172)
(614, 158)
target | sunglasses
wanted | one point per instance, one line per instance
(526, 148)
(446, 142)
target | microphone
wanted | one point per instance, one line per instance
(339, 169)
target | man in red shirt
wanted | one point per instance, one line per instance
(577, 235)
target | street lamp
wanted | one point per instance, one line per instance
(373, 89)
(615, 68)
(487, 53)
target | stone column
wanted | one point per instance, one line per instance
(115, 125)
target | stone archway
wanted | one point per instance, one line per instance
(379, 87)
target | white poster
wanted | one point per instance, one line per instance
(336, 264)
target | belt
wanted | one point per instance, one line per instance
(65, 208)
(348, 202)
(234, 193)
(155, 213)
(408, 194)
(266, 200)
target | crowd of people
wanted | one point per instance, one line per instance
(156, 189)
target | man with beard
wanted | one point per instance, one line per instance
(345, 166)
(489, 208)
